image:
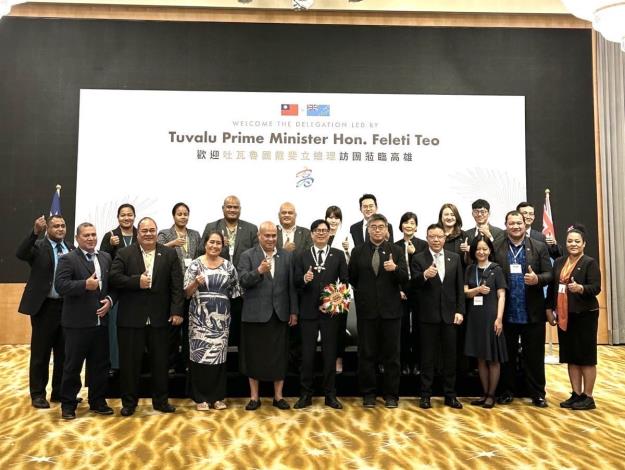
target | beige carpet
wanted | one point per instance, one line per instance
(517, 436)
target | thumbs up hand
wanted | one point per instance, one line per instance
(530, 278)
(345, 244)
(92, 283)
(410, 247)
(309, 275)
(431, 272)
(464, 246)
(145, 281)
(574, 287)
(390, 265)
(114, 240)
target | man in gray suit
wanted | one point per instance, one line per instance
(239, 236)
(292, 237)
(269, 308)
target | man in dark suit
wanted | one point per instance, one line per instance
(437, 274)
(378, 272)
(359, 232)
(314, 270)
(480, 209)
(82, 280)
(527, 267)
(292, 237)
(239, 236)
(527, 211)
(42, 302)
(148, 279)
(269, 308)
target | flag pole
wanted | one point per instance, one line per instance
(550, 358)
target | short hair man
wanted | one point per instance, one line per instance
(148, 279)
(480, 210)
(438, 276)
(43, 303)
(82, 280)
(378, 273)
(526, 209)
(291, 237)
(269, 308)
(368, 207)
(527, 267)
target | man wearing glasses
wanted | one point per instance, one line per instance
(359, 231)
(527, 211)
(148, 279)
(378, 273)
(481, 213)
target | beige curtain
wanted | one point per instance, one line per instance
(611, 90)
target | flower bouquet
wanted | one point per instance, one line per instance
(335, 299)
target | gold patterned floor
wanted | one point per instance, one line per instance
(517, 436)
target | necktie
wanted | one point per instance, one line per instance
(319, 258)
(375, 261)
(89, 257)
(287, 241)
(59, 249)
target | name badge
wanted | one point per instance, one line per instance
(187, 262)
(561, 288)
(516, 269)
(478, 300)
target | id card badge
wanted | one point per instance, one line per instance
(187, 262)
(516, 269)
(561, 288)
(478, 300)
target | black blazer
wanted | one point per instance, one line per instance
(309, 293)
(419, 245)
(356, 232)
(537, 257)
(159, 302)
(247, 237)
(585, 272)
(378, 296)
(498, 234)
(80, 304)
(38, 254)
(302, 238)
(554, 250)
(112, 250)
(438, 301)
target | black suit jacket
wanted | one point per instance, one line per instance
(498, 234)
(377, 296)
(112, 250)
(159, 302)
(302, 238)
(80, 304)
(585, 272)
(438, 301)
(39, 255)
(357, 236)
(247, 237)
(537, 257)
(309, 293)
(554, 250)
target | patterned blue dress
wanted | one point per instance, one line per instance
(209, 311)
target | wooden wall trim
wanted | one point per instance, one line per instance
(231, 15)
(15, 326)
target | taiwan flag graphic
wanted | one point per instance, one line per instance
(288, 110)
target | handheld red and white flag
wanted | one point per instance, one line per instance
(548, 229)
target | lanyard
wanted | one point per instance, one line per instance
(479, 279)
(515, 255)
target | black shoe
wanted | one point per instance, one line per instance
(281, 404)
(252, 405)
(584, 403)
(425, 403)
(165, 408)
(368, 401)
(57, 399)
(102, 409)
(391, 402)
(40, 403)
(303, 402)
(479, 402)
(453, 403)
(405, 370)
(332, 402)
(489, 402)
(127, 410)
(540, 402)
(569, 402)
(68, 414)
(505, 399)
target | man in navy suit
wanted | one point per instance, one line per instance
(359, 231)
(43, 303)
(437, 275)
(315, 268)
(82, 280)
(527, 211)
(269, 308)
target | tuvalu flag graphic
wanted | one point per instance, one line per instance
(318, 110)
(289, 110)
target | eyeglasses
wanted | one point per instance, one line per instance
(321, 231)
(480, 211)
(145, 231)
(377, 228)
(436, 237)
(529, 214)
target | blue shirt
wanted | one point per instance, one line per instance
(516, 308)
(55, 256)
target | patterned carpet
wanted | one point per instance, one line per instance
(517, 436)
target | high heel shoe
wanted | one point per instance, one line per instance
(480, 401)
(489, 402)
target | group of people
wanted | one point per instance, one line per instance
(420, 305)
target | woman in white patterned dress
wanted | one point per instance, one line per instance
(211, 282)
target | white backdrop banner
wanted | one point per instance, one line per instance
(414, 152)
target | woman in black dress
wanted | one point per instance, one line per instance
(572, 294)
(485, 289)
